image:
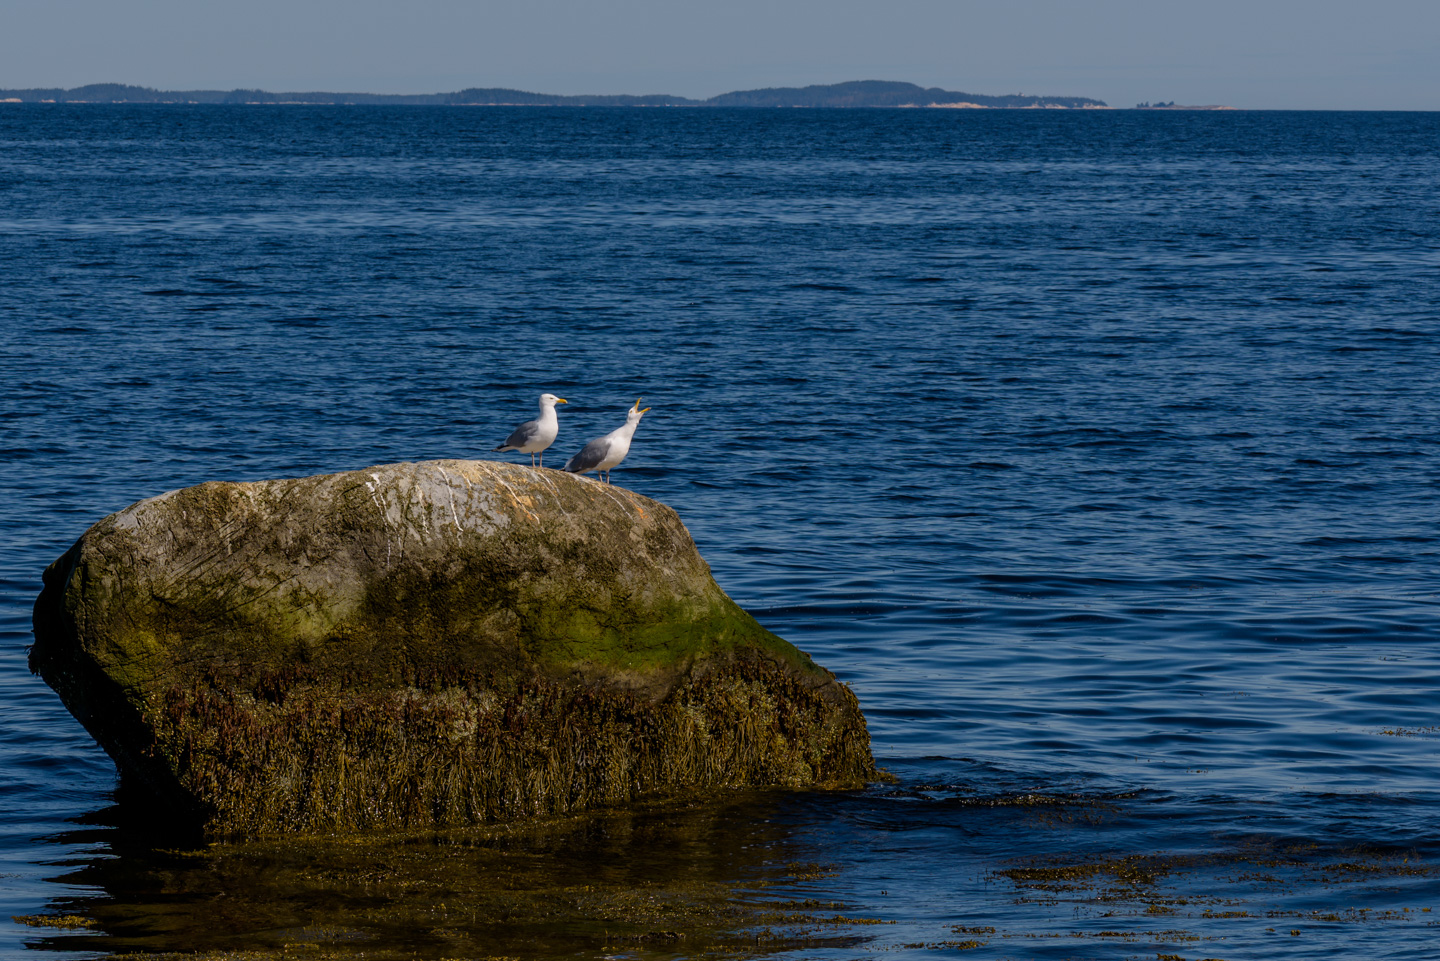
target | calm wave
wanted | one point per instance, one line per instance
(1097, 452)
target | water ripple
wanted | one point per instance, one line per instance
(1096, 453)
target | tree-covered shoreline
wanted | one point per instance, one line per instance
(858, 93)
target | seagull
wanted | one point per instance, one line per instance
(603, 453)
(533, 436)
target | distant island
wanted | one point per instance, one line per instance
(856, 93)
(1172, 105)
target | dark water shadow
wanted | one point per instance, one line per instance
(663, 879)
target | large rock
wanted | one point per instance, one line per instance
(415, 644)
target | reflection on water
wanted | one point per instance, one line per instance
(723, 875)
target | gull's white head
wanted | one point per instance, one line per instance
(550, 400)
(633, 417)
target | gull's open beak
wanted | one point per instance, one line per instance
(643, 411)
(637, 403)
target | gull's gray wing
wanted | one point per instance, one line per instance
(521, 436)
(589, 457)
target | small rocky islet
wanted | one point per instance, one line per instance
(443, 643)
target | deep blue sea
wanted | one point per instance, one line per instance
(1099, 452)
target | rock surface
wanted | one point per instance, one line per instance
(445, 642)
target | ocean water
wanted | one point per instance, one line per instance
(1098, 452)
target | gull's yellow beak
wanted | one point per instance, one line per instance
(637, 403)
(643, 411)
(561, 400)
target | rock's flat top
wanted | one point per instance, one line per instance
(472, 564)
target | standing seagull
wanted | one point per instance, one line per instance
(533, 436)
(603, 453)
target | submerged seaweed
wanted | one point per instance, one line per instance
(315, 758)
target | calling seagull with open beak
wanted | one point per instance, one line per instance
(534, 436)
(604, 453)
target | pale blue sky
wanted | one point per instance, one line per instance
(1381, 54)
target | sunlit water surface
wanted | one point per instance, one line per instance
(1097, 452)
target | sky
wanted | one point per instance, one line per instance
(1277, 54)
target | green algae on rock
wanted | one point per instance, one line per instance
(446, 642)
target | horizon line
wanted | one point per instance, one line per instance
(890, 91)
